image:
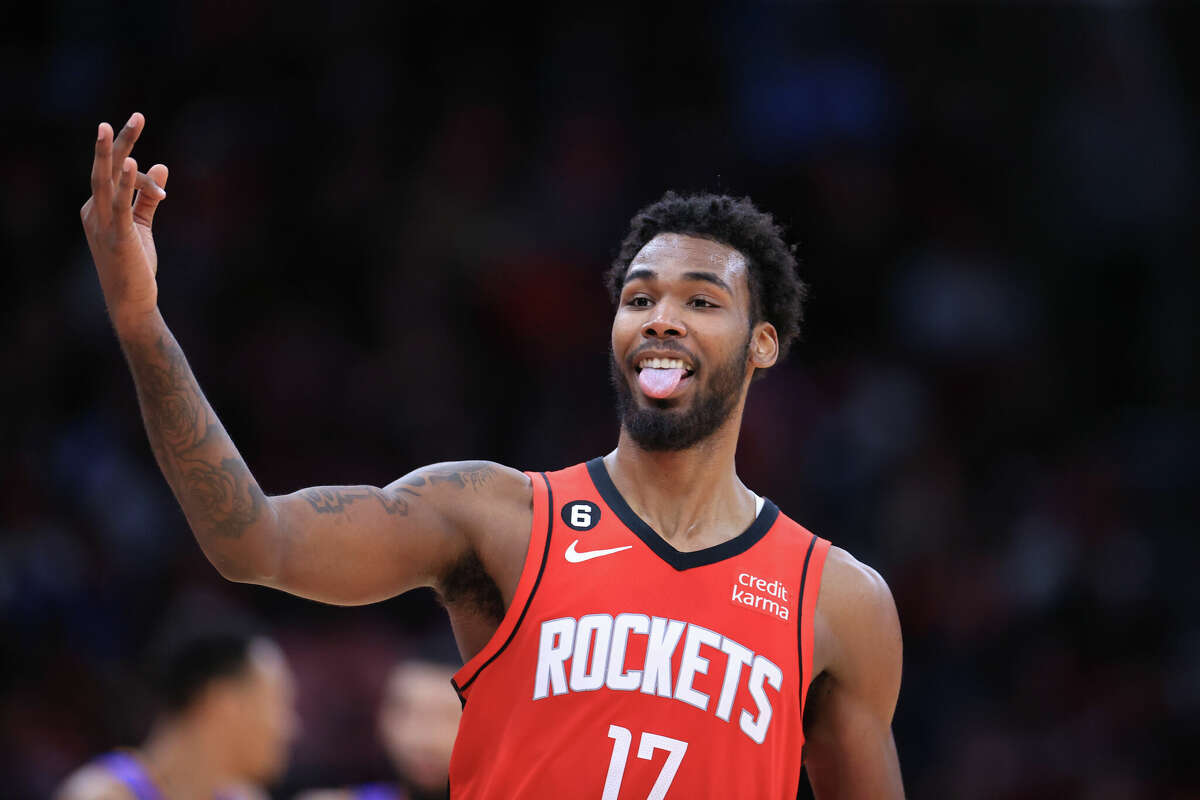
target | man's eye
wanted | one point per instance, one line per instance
(700, 302)
(640, 301)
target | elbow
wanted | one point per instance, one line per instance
(252, 556)
(238, 570)
(258, 563)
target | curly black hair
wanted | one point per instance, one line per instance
(776, 291)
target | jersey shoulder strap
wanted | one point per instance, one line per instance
(531, 576)
(810, 587)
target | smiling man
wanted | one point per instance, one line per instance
(639, 626)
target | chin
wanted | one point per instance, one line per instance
(666, 405)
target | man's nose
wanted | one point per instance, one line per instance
(665, 324)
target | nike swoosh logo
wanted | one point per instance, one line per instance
(574, 556)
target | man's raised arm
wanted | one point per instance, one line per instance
(348, 544)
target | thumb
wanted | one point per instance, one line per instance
(150, 194)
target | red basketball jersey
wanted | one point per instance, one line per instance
(625, 669)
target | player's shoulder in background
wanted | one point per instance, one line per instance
(93, 782)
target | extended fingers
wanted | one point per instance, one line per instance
(102, 177)
(123, 145)
(115, 177)
(123, 196)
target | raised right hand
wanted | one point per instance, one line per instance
(118, 226)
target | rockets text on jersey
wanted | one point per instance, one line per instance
(595, 646)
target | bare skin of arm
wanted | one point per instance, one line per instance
(338, 544)
(849, 749)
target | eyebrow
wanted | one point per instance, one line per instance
(644, 274)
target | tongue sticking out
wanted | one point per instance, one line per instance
(659, 383)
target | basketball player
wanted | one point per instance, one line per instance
(641, 625)
(225, 727)
(418, 720)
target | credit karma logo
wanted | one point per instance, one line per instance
(762, 595)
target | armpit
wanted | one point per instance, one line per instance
(467, 586)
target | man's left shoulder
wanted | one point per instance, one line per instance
(851, 581)
(857, 619)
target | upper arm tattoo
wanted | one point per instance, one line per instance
(336, 500)
(476, 479)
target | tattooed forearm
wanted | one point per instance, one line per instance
(210, 479)
(335, 501)
(225, 496)
(178, 412)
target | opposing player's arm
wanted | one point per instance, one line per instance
(348, 544)
(849, 749)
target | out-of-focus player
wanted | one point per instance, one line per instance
(639, 625)
(418, 721)
(226, 722)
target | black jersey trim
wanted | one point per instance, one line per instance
(800, 653)
(679, 560)
(528, 601)
(800, 616)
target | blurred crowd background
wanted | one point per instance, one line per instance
(383, 247)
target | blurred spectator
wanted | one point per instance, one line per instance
(227, 720)
(418, 722)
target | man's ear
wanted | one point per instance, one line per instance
(764, 346)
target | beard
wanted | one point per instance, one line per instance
(661, 428)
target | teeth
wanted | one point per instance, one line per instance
(661, 363)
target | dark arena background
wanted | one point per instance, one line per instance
(383, 246)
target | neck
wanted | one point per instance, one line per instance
(181, 759)
(692, 498)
